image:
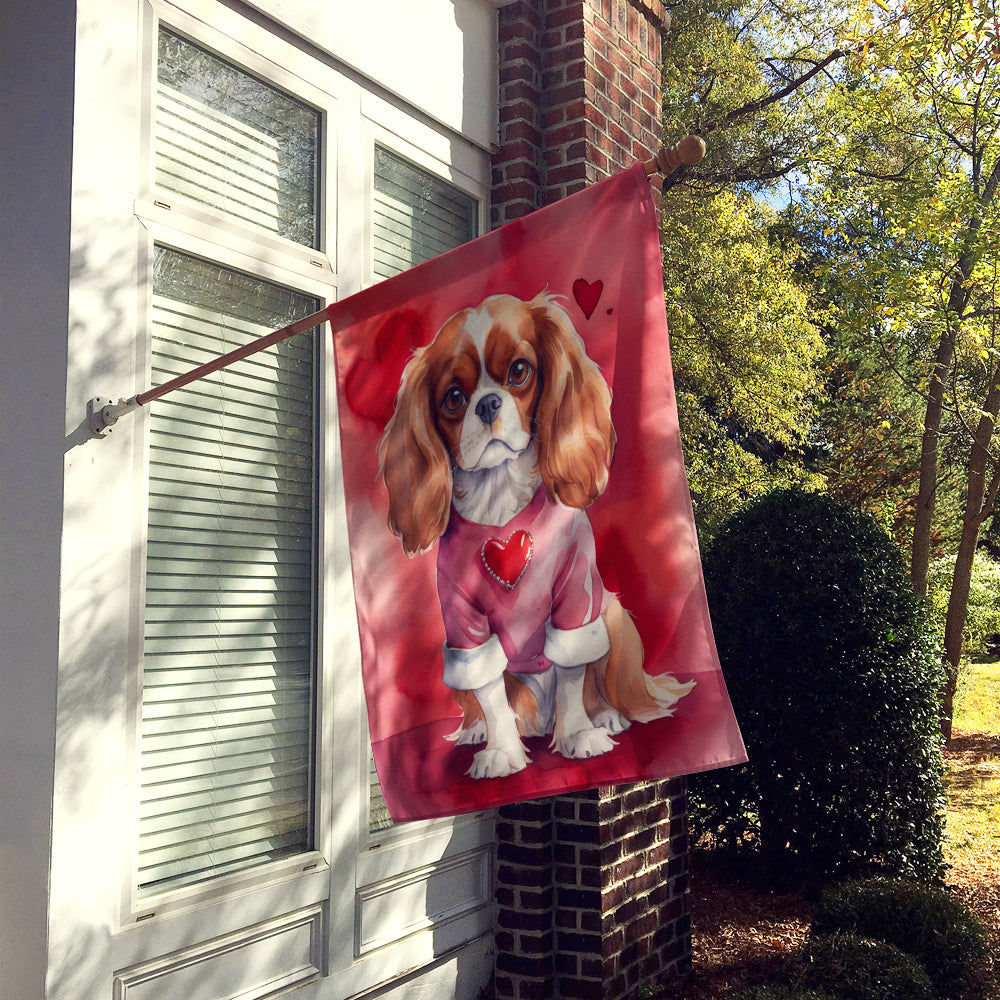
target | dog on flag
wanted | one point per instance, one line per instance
(501, 437)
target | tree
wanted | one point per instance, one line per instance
(747, 352)
(913, 189)
(746, 355)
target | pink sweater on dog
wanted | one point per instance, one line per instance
(533, 584)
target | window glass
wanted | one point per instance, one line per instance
(228, 140)
(416, 216)
(228, 680)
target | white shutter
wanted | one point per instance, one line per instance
(416, 216)
(228, 659)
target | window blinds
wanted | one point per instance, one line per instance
(416, 216)
(225, 139)
(227, 681)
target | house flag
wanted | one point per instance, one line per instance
(526, 572)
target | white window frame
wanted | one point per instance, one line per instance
(350, 874)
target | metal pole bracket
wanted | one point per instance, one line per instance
(103, 413)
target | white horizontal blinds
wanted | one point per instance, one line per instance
(416, 216)
(228, 655)
(228, 140)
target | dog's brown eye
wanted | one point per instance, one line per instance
(520, 372)
(454, 400)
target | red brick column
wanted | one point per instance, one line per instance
(579, 96)
(591, 888)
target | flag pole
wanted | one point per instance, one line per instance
(103, 414)
(687, 152)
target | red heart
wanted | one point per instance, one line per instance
(587, 295)
(372, 381)
(506, 561)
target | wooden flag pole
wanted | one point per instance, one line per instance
(103, 413)
(687, 152)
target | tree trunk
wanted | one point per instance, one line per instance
(920, 553)
(980, 498)
(958, 299)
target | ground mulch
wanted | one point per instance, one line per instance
(742, 934)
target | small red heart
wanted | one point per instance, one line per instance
(587, 295)
(507, 560)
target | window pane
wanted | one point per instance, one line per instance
(228, 140)
(228, 656)
(416, 217)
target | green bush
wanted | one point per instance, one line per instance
(833, 672)
(782, 993)
(925, 922)
(856, 968)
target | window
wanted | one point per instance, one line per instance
(252, 809)
(229, 646)
(416, 216)
(228, 679)
(227, 140)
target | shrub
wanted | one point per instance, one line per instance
(926, 922)
(833, 672)
(856, 968)
(782, 993)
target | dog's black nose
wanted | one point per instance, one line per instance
(488, 407)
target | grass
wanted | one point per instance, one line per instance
(973, 783)
(978, 697)
(972, 848)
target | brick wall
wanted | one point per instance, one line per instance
(591, 888)
(591, 893)
(579, 96)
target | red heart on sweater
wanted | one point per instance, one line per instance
(587, 295)
(507, 560)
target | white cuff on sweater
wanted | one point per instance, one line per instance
(468, 669)
(573, 647)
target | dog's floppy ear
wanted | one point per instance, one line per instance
(573, 418)
(413, 463)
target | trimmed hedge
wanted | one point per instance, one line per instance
(782, 993)
(857, 968)
(833, 672)
(925, 922)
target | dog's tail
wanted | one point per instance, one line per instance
(623, 682)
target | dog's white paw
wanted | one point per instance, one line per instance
(611, 720)
(584, 743)
(491, 762)
(474, 734)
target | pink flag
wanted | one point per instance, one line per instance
(526, 571)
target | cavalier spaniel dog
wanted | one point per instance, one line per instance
(501, 436)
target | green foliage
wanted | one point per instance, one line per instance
(857, 968)
(780, 992)
(739, 73)
(833, 673)
(983, 613)
(745, 343)
(746, 354)
(926, 922)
